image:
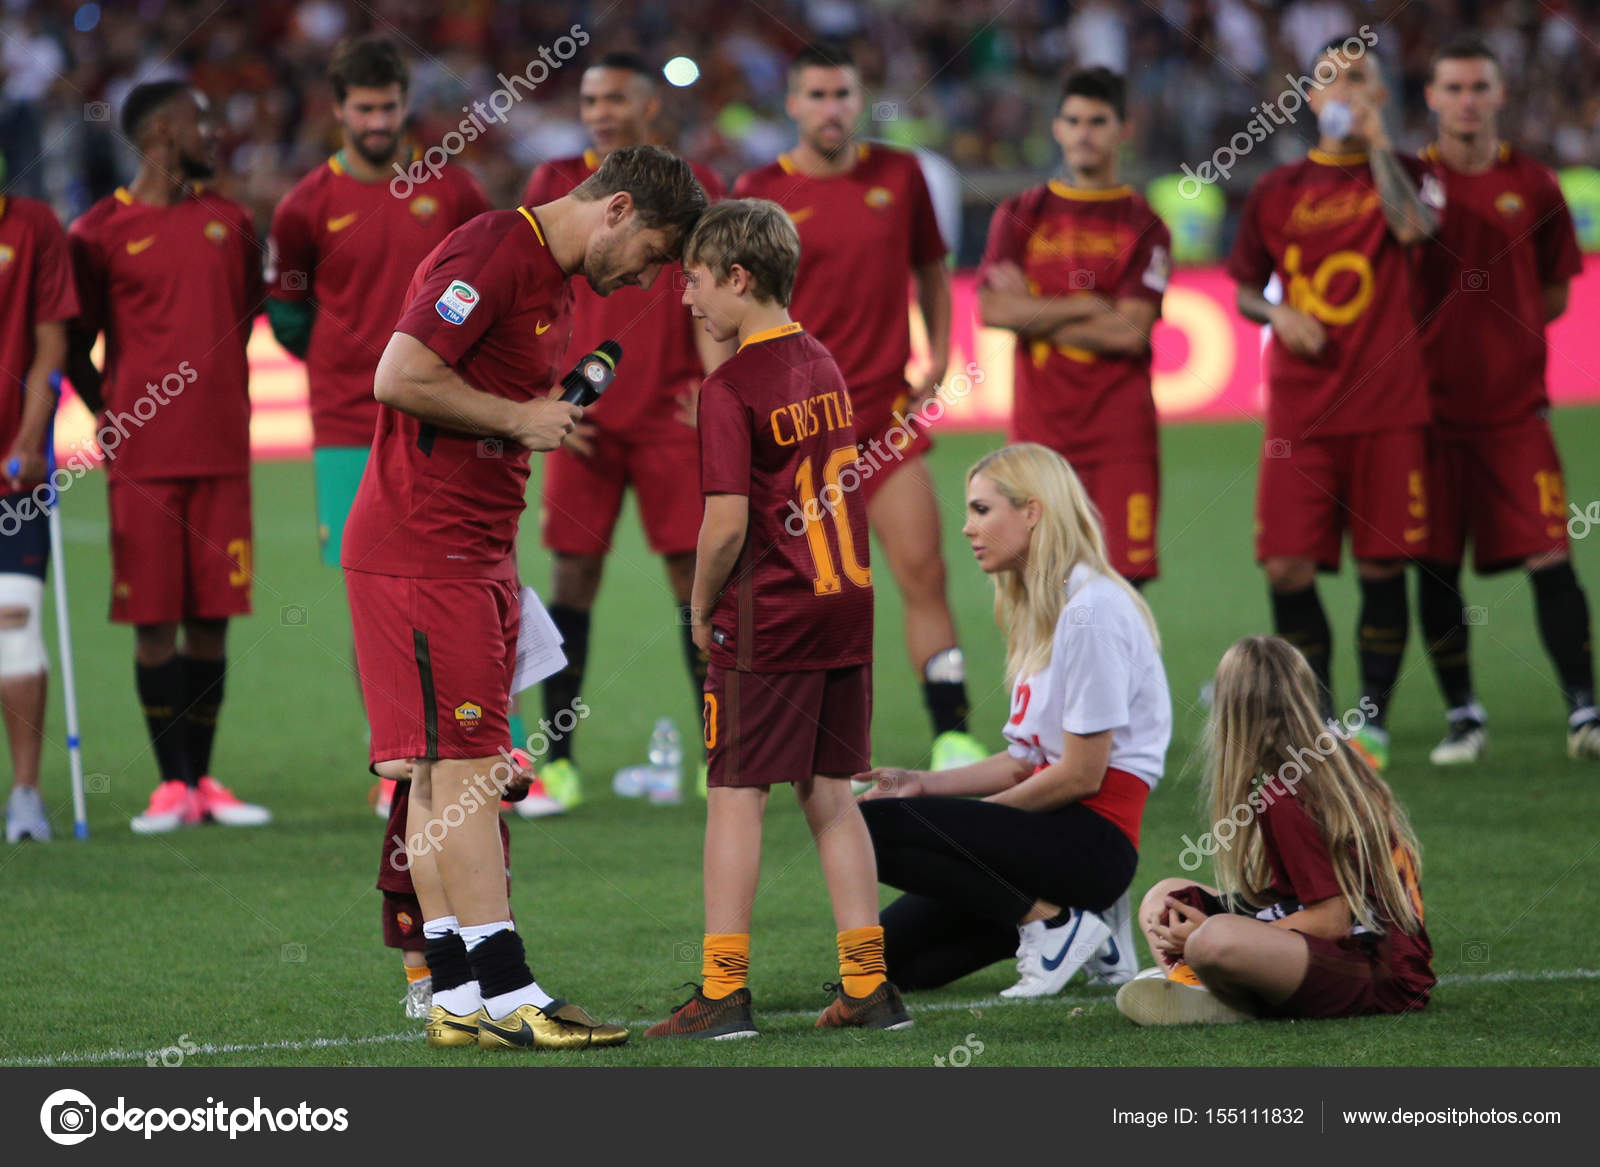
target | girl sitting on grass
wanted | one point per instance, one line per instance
(1317, 910)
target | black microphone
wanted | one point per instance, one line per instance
(590, 376)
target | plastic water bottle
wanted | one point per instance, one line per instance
(1335, 119)
(666, 763)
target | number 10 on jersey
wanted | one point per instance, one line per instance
(830, 506)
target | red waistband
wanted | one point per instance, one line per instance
(1121, 800)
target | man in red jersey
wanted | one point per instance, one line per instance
(1077, 269)
(641, 433)
(468, 385)
(786, 617)
(343, 247)
(1496, 276)
(1347, 397)
(171, 273)
(36, 301)
(867, 227)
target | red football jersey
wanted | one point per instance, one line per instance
(176, 290)
(1088, 407)
(35, 288)
(1319, 225)
(860, 235)
(494, 305)
(776, 426)
(352, 247)
(1504, 235)
(660, 362)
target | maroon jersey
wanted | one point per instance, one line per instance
(660, 362)
(1505, 235)
(351, 247)
(492, 302)
(860, 235)
(1087, 406)
(176, 290)
(1303, 869)
(776, 426)
(1319, 225)
(35, 288)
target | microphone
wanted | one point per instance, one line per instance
(590, 376)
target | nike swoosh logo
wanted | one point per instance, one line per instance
(800, 216)
(139, 245)
(541, 329)
(1116, 953)
(343, 221)
(448, 1024)
(522, 1035)
(1052, 965)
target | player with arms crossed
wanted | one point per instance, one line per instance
(1497, 275)
(1076, 269)
(867, 227)
(786, 618)
(171, 273)
(36, 301)
(429, 553)
(1347, 397)
(641, 433)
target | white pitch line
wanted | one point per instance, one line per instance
(102, 1057)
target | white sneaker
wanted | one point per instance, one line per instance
(1157, 1000)
(25, 816)
(537, 803)
(1583, 741)
(419, 998)
(1048, 957)
(1115, 962)
(1464, 743)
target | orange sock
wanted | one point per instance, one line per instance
(724, 963)
(415, 972)
(861, 965)
(1184, 975)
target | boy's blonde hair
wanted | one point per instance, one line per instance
(756, 234)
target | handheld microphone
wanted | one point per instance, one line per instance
(591, 375)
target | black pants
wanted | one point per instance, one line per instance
(973, 869)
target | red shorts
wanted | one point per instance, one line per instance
(1128, 496)
(583, 495)
(435, 658)
(1503, 487)
(886, 438)
(180, 549)
(1312, 490)
(1351, 977)
(762, 728)
(402, 914)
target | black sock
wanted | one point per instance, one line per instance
(1298, 618)
(561, 690)
(699, 662)
(1384, 622)
(161, 693)
(1563, 612)
(447, 961)
(1439, 608)
(947, 705)
(203, 693)
(500, 964)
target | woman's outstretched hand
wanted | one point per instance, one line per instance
(889, 782)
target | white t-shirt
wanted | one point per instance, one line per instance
(1104, 673)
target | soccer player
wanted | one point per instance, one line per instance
(1347, 398)
(640, 434)
(867, 228)
(170, 272)
(468, 386)
(343, 247)
(1498, 274)
(1077, 268)
(36, 301)
(787, 619)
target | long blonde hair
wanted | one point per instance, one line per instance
(1028, 603)
(1265, 721)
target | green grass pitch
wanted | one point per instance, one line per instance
(262, 947)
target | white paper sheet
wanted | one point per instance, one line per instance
(539, 653)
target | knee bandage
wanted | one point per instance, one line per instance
(21, 640)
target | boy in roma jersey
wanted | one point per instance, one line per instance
(1347, 399)
(786, 618)
(1077, 268)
